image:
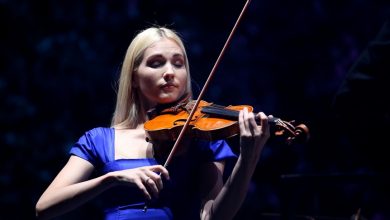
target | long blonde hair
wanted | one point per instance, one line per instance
(129, 111)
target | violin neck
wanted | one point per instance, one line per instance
(230, 114)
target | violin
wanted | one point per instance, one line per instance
(212, 122)
(208, 121)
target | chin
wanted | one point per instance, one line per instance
(168, 99)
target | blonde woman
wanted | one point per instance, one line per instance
(155, 72)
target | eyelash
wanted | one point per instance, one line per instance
(155, 64)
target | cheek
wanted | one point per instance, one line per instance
(147, 87)
(183, 80)
(145, 83)
(146, 80)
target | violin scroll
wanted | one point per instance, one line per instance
(289, 132)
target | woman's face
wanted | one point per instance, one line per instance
(162, 74)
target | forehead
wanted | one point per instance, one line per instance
(163, 47)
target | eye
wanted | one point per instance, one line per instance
(178, 63)
(155, 63)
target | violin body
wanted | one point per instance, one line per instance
(211, 122)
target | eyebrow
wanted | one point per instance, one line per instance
(158, 55)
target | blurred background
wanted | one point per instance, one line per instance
(60, 60)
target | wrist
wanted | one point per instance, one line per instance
(249, 157)
(109, 179)
(248, 162)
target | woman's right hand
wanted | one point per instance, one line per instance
(148, 179)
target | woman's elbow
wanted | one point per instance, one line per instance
(40, 211)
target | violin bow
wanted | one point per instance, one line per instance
(183, 130)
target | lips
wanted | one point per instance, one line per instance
(168, 86)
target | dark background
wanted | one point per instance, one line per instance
(59, 62)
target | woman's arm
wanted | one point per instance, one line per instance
(71, 187)
(223, 201)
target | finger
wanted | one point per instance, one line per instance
(243, 123)
(152, 186)
(264, 123)
(156, 172)
(156, 178)
(149, 182)
(254, 128)
(143, 189)
(245, 117)
(161, 170)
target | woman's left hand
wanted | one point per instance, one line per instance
(252, 136)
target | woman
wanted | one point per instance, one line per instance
(155, 73)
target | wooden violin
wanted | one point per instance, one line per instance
(209, 121)
(212, 122)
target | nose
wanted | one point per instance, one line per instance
(169, 72)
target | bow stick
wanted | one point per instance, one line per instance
(183, 130)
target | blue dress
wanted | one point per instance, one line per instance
(179, 198)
